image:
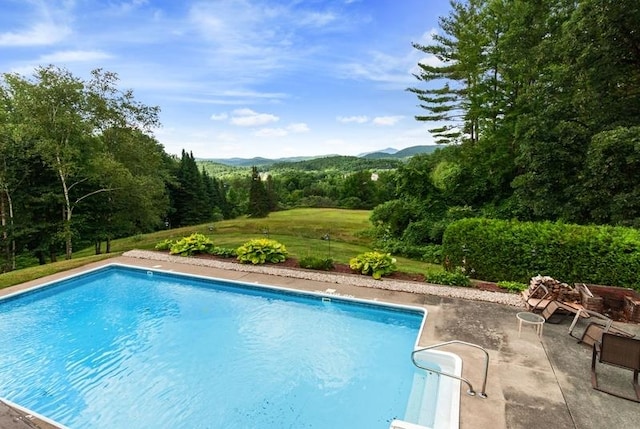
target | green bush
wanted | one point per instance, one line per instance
(512, 286)
(375, 264)
(494, 250)
(224, 252)
(164, 244)
(191, 245)
(261, 250)
(316, 263)
(431, 253)
(449, 278)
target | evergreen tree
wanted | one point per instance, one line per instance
(455, 93)
(190, 200)
(258, 198)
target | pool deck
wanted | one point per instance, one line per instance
(533, 382)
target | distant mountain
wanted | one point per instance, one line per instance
(404, 153)
(258, 161)
(388, 153)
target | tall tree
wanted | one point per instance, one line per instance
(258, 199)
(63, 115)
(12, 171)
(455, 93)
(190, 198)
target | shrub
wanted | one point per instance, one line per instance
(261, 250)
(431, 253)
(449, 278)
(316, 263)
(496, 250)
(191, 245)
(164, 244)
(375, 264)
(512, 286)
(224, 252)
(394, 216)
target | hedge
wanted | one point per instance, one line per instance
(498, 250)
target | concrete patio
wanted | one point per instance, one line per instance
(533, 382)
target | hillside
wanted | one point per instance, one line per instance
(404, 153)
(388, 153)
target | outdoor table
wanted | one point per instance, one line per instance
(530, 319)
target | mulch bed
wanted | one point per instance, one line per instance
(292, 264)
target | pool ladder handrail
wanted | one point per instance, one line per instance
(470, 391)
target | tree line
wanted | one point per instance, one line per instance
(79, 166)
(539, 102)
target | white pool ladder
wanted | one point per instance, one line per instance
(470, 391)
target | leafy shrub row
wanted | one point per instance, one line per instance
(494, 250)
(264, 250)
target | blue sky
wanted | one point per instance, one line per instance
(243, 78)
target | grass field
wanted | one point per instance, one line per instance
(327, 233)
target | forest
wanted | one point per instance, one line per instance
(541, 106)
(537, 102)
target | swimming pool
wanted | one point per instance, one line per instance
(125, 347)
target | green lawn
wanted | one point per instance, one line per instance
(328, 233)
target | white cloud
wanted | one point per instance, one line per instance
(318, 19)
(74, 56)
(300, 127)
(387, 120)
(249, 118)
(45, 33)
(219, 117)
(355, 119)
(253, 94)
(391, 70)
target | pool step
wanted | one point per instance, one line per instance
(421, 407)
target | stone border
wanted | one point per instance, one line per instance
(355, 280)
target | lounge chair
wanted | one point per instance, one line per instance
(536, 299)
(594, 330)
(554, 307)
(623, 352)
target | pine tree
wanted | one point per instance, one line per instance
(258, 200)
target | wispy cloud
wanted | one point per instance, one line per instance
(74, 56)
(392, 71)
(353, 119)
(128, 6)
(282, 132)
(38, 23)
(387, 120)
(300, 127)
(249, 118)
(219, 117)
(250, 41)
(44, 33)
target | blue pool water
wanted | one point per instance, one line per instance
(126, 348)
